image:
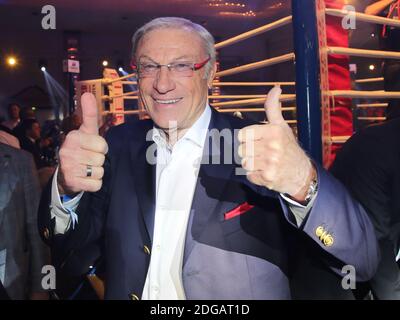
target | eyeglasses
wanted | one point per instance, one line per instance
(177, 69)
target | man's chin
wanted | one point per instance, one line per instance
(165, 122)
(167, 125)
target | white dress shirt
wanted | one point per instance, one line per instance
(177, 171)
(176, 176)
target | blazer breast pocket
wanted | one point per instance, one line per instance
(232, 218)
(237, 211)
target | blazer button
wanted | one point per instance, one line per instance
(133, 296)
(319, 231)
(46, 233)
(146, 249)
(328, 240)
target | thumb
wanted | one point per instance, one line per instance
(272, 106)
(89, 114)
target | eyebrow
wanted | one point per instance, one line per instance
(176, 59)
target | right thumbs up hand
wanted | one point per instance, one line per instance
(271, 155)
(82, 154)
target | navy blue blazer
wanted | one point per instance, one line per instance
(245, 257)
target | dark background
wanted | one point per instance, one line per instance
(104, 29)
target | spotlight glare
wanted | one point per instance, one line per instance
(105, 63)
(11, 61)
(371, 67)
(120, 69)
(43, 68)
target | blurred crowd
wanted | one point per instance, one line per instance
(28, 159)
(23, 131)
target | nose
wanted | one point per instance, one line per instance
(163, 82)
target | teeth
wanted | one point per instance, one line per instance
(167, 101)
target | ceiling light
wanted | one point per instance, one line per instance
(12, 61)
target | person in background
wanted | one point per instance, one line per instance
(22, 253)
(32, 142)
(26, 113)
(369, 167)
(13, 111)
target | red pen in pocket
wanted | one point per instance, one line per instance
(240, 209)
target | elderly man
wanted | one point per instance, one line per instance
(178, 220)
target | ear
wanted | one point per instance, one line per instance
(212, 75)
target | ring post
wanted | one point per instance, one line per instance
(305, 36)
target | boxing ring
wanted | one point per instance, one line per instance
(313, 100)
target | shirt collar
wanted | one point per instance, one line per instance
(196, 133)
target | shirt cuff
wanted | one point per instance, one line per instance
(299, 210)
(62, 211)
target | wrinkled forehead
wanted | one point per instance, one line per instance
(164, 45)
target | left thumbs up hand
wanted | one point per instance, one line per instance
(271, 155)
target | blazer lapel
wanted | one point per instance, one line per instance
(144, 175)
(211, 182)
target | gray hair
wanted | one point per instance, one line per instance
(178, 23)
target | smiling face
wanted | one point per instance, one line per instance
(168, 98)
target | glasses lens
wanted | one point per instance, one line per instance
(182, 69)
(148, 69)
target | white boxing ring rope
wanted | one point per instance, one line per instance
(372, 118)
(364, 53)
(371, 105)
(256, 65)
(284, 109)
(252, 33)
(369, 80)
(126, 94)
(252, 102)
(108, 81)
(378, 94)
